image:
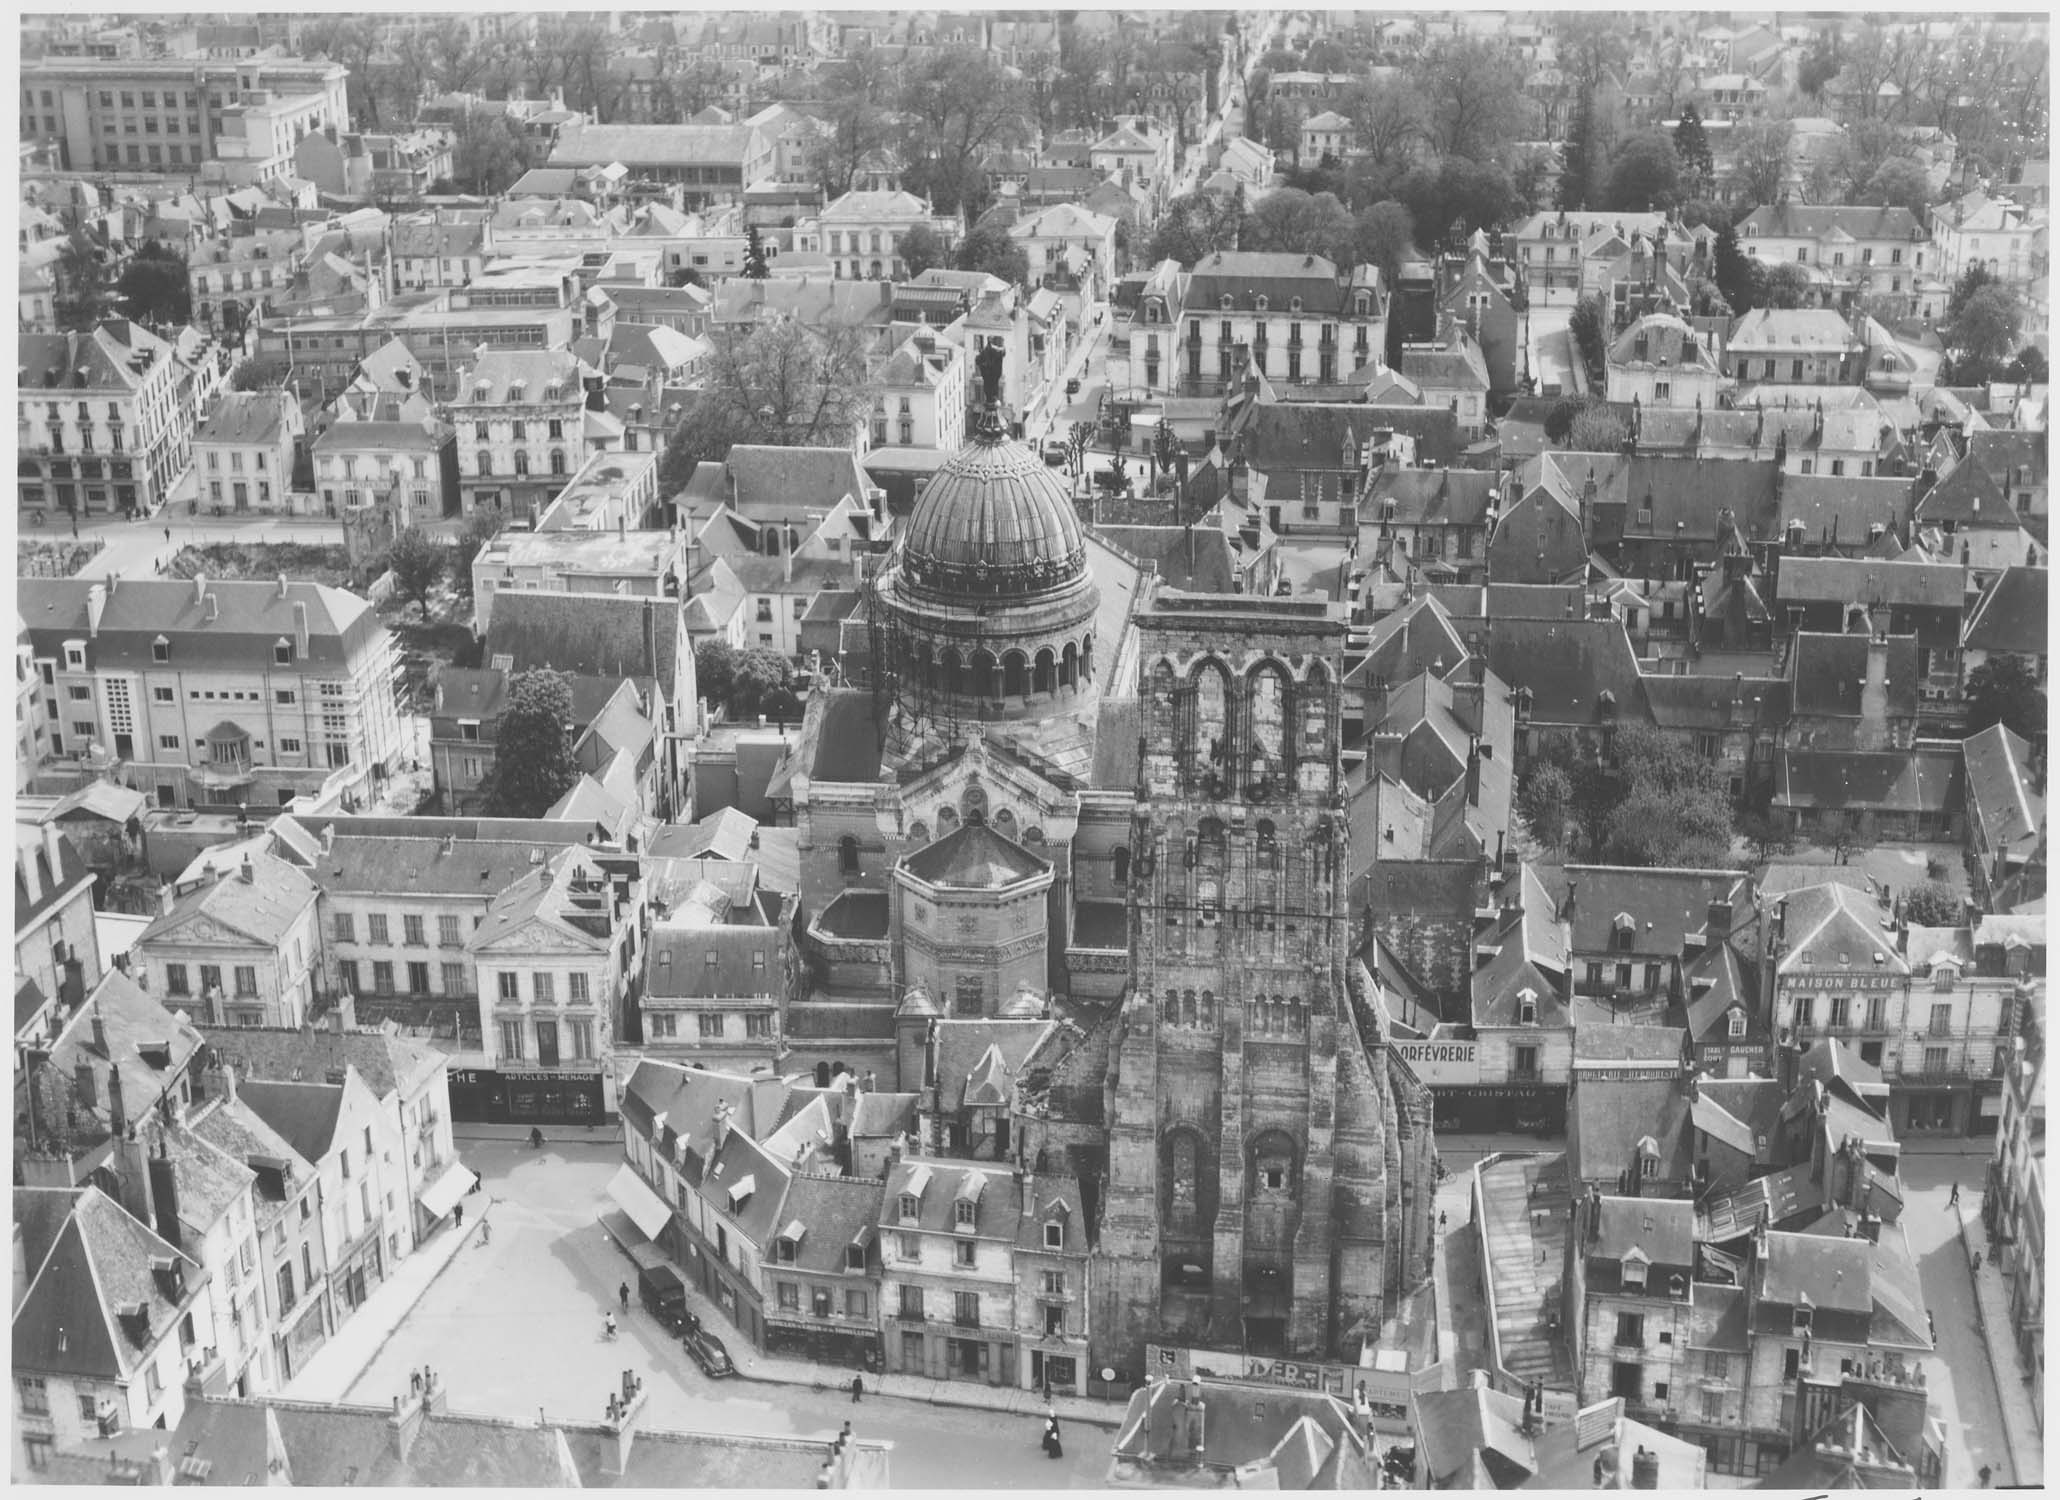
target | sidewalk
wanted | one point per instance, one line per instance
(1992, 1314)
(352, 1348)
(774, 1370)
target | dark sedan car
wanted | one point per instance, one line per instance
(707, 1349)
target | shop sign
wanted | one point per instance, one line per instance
(1441, 1062)
(1386, 1391)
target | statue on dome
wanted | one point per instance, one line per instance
(989, 362)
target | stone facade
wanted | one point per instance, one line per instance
(1256, 1182)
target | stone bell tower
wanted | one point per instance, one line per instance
(1254, 1196)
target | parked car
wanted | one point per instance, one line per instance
(1054, 451)
(707, 1349)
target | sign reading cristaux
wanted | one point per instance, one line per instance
(1441, 1062)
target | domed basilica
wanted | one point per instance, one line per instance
(1070, 794)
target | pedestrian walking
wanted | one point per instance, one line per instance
(75, 525)
(857, 1389)
(1986, 1473)
(844, 1436)
(458, 1216)
(622, 1296)
(168, 533)
(1954, 1200)
(608, 1326)
(1977, 1262)
(486, 1231)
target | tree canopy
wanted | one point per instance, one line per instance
(1985, 328)
(921, 248)
(489, 153)
(782, 384)
(1645, 173)
(153, 288)
(1195, 226)
(2005, 690)
(1302, 224)
(418, 563)
(533, 764)
(994, 251)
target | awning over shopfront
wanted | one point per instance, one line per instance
(645, 1208)
(442, 1195)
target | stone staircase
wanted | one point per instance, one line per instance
(1526, 1207)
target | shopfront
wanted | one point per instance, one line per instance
(529, 1096)
(298, 1344)
(1465, 1102)
(802, 1338)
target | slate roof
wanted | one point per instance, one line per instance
(86, 1258)
(656, 145)
(263, 908)
(1609, 1116)
(101, 354)
(251, 618)
(386, 1063)
(590, 634)
(1895, 781)
(1840, 580)
(1829, 675)
(2000, 789)
(2010, 615)
(1568, 665)
(1662, 1228)
(1815, 221)
(245, 419)
(1245, 275)
(974, 857)
(1837, 507)
(1667, 907)
(1830, 922)
(130, 1021)
(72, 869)
(833, 1212)
(304, 1114)
(1472, 1437)
(939, 1184)
(1409, 641)
(1450, 497)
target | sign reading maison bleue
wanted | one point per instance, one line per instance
(1441, 1062)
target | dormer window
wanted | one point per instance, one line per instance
(160, 650)
(282, 652)
(1527, 1008)
(1804, 1316)
(909, 1204)
(1259, 302)
(1623, 930)
(1054, 1235)
(1360, 305)
(1294, 304)
(963, 1213)
(854, 1257)
(787, 1248)
(1737, 1023)
(1633, 1273)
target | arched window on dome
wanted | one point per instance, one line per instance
(1087, 659)
(1041, 672)
(1005, 823)
(1120, 865)
(947, 821)
(953, 673)
(918, 833)
(772, 541)
(1211, 738)
(986, 675)
(1013, 673)
(1069, 667)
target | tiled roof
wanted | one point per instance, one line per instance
(939, 1184)
(833, 1213)
(1840, 580)
(1608, 1117)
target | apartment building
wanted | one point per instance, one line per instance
(388, 460)
(719, 965)
(822, 1281)
(1299, 319)
(948, 1270)
(55, 946)
(174, 114)
(710, 163)
(1795, 346)
(102, 430)
(1140, 153)
(247, 269)
(919, 395)
(862, 233)
(520, 417)
(218, 694)
(410, 1080)
(107, 1316)
(236, 949)
(1051, 1314)
(1852, 252)
(1970, 990)
(244, 450)
(1660, 361)
(2013, 1204)
(2008, 241)
(552, 953)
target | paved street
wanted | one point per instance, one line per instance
(514, 1326)
(1960, 1376)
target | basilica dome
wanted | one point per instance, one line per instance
(996, 523)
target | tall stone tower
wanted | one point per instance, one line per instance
(1255, 1196)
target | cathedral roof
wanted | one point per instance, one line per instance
(995, 522)
(974, 858)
